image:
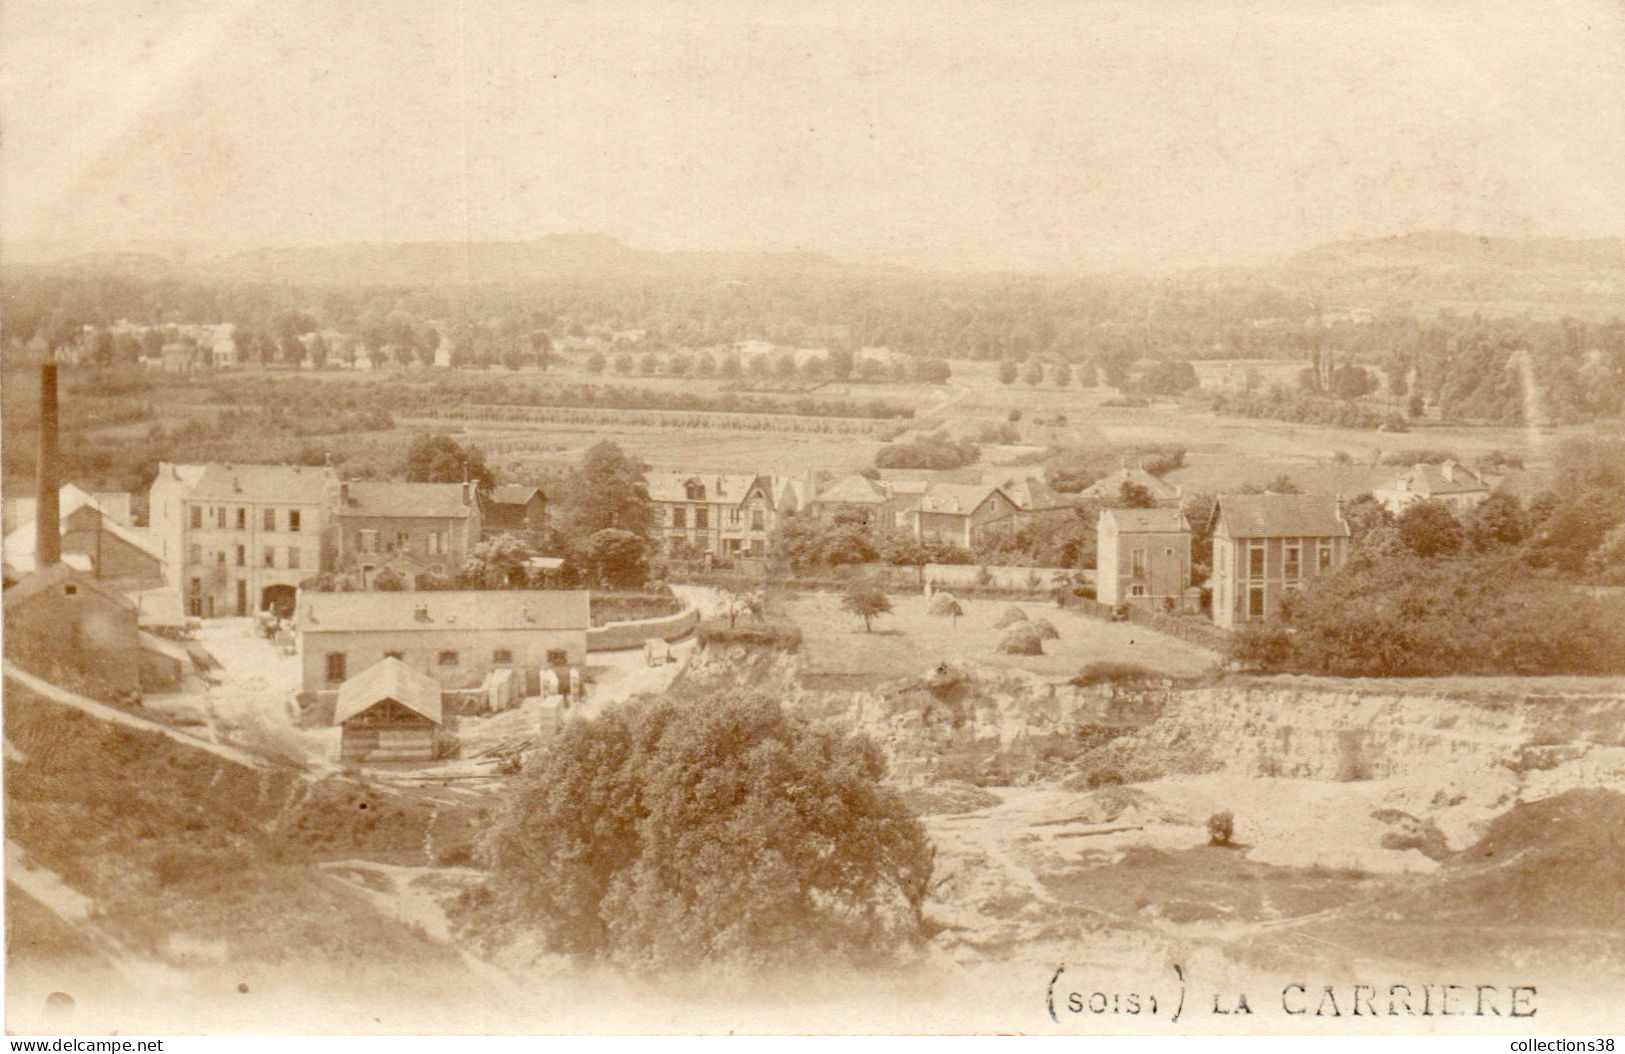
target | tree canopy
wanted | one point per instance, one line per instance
(672, 833)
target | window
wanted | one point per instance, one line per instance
(369, 541)
(702, 517)
(242, 556)
(447, 658)
(220, 557)
(270, 556)
(70, 589)
(679, 516)
(293, 557)
(194, 553)
(293, 520)
(197, 517)
(1293, 560)
(757, 523)
(335, 667)
(733, 516)
(269, 520)
(1136, 590)
(403, 541)
(1325, 555)
(1255, 602)
(502, 657)
(1137, 562)
(197, 586)
(242, 518)
(1255, 560)
(220, 516)
(434, 543)
(557, 657)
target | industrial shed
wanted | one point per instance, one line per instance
(389, 712)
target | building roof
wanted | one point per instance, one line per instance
(1032, 494)
(955, 498)
(19, 544)
(513, 494)
(439, 501)
(292, 484)
(460, 609)
(1111, 485)
(389, 678)
(852, 490)
(719, 487)
(1143, 521)
(39, 582)
(1448, 478)
(1280, 516)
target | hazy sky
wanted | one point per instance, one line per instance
(1050, 135)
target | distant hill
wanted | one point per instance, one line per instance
(573, 256)
(1455, 250)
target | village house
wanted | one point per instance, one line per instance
(1110, 488)
(114, 504)
(1144, 559)
(1454, 485)
(457, 637)
(513, 508)
(959, 513)
(62, 619)
(851, 499)
(1266, 545)
(389, 712)
(121, 557)
(236, 539)
(715, 514)
(1036, 499)
(409, 527)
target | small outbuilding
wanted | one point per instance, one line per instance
(389, 712)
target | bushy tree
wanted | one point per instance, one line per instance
(1429, 528)
(441, 459)
(617, 558)
(1497, 521)
(668, 834)
(867, 601)
(606, 490)
(1132, 495)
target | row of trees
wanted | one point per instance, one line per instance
(1508, 369)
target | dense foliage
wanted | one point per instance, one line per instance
(673, 833)
(1409, 616)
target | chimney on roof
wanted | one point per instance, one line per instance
(468, 492)
(47, 505)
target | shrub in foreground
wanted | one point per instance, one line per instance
(666, 834)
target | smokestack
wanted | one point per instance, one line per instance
(47, 505)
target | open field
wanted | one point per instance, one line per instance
(910, 641)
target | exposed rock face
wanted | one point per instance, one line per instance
(1446, 764)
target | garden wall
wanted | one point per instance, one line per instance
(620, 635)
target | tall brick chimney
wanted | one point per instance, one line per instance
(48, 479)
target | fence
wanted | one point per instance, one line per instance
(1003, 578)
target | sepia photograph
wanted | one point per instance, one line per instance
(1062, 518)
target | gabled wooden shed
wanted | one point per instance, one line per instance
(389, 712)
